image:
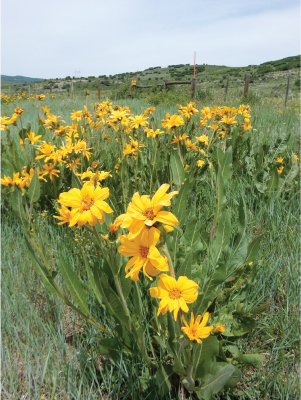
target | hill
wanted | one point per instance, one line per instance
(19, 79)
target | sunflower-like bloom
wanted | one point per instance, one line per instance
(87, 204)
(65, 215)
(196, 330)
(174, 294)
(40, 97)
(279, 160)
(220, 328)
(145, 212)
(144, 254)
(139, 120)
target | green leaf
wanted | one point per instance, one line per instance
(177, 169)
(185, 268)
(251, 359)
(253, 249)
(34, 188)
(226, 166)
(112, 301)
(216, 382)
(273, 183)
(75, 286)
(18, 208)
(75, 181)
(260, 309)
(41, 270)
(91, 279)
(191, 234)
(181, 203)
(163, 375)
(242, 325)
(209, 292)
(242, 220)
(221, 236)
(110, 347)
(204, 355)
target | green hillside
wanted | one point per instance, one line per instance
(19, 79)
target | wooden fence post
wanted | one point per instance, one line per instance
(98, 89)
(247, 81)
(164, 85)
(287, 88)
(227, 83)
(193, 85)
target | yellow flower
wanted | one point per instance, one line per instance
(149, 110)
(49, 169)
(32, 138)
(196, 330)
(19, 111)
(203, 139)
(144, 254)
(220, 328)
(228, 121)
(186, 167)
(65, 215)
(200, 163)
(143, 212)
(280, 170)
(139, 120)
(45, 151)
(87, 204)
(174, 294)
(76, 115)
(172, 122)
(279, 160)
(296, 157)
(40, 97)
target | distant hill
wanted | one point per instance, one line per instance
(19, 79)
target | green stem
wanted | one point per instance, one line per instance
(170, 265)
(151, 179)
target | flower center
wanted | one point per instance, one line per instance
(144, 251)
(175, 294)
(149, 213)
(87, 203)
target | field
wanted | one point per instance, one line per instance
(48, 351)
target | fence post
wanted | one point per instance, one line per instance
(98, 89)
(193, 84)
(164, 85)
(247, 81)
(287, 88)
(227, 83)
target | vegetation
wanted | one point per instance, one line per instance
(233, 173)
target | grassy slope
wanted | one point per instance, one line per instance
(43, 348)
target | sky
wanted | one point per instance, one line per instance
(53, 39)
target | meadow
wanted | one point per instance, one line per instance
(50, 351)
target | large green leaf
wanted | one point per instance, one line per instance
(177, 169)
(110, 347)
(273, 183)
(216, 382)
(209, 292)
(75, 286)
(91, 279)
(41, 270)
(191, 234)
(17, 205)
(34, 188)
(180, 208)
(253, 249)
(204, 356)
(112, 301)
(221, 236)
(185, 268)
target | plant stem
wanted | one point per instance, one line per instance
(151, 179)
(170, 265)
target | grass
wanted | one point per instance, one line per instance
(45, 348)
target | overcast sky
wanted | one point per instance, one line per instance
(53, 39)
